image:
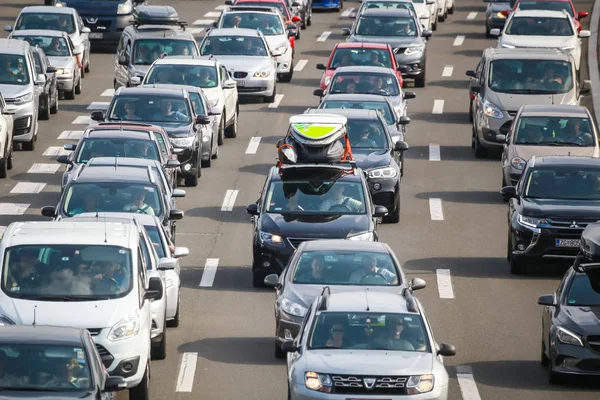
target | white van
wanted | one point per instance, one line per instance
(84, 274)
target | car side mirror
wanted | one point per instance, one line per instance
(178, 193)
(277, 53)
(584, 34)
(401, 146)
(409, 95)
(49, 211)
(215, 24)
(403, 120)
(346, 31)
(427, 33)
(318, 92)
(135, 81)
(321, 67)
(86, 30)
(115, 384)
(495, 32)
(229, 84)
(9, 109)
(272, 281)
(289, 346)
(173, 164)
(202, 119)
(155, 289)
(417, 284)
(64, 160)
(8, 28)
(97, 116)
(50, 69)
(215, 111)
(70, 146)
(181, 252)
(475, 89)
(296, 18)
(167, 264)
(40, 79)
(380, 211)
(509, 191)
(471, 73)
(586, 87)
(582, 14)
(175, 215)
(446, 350)
(547, 300)
(122, 60)
(252, 209)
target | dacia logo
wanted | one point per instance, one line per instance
(369, 382)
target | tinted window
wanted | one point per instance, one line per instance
(46, 21)
(234, 46)
(556, 131)
(382, 106)
(582, 292)
(369, 57)
(204, 76)
(547, 5)
(530, 76)
(386, 26)
(156, 240)
(197, 103)
(570, 183)
(367, 134)
(52, 46)
(268, 24)
(13, 70)
(132, 148)
(146, 51)
(150, 108)
(365, 83)
(539, 26)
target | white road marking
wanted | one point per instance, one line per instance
(434, 152)
(459, 40)
(13, 208)
(187, 370)
(82, 120)
(70, 135)
(438, 107)
(444, 284)
(221, 7)
(300, 65)
(212, 14)
(472, 15)
(253, 145)
(323, 37)
(55, 151)
(108, 93)
(347, 12)
(229, 200)
(28, 187)
(435, 209)
(99, 105)
(466, 382)
(275, 104)
(448, 69)
(203, 22)
(40, 168)
(195, 31)
(210, 270)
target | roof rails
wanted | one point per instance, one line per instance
(411, 303)
(348, 166)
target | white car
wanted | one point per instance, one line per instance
(427, 13)
(220, 88)
(6, 142)
(540, 28)
(442, 10)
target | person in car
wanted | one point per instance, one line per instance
(336, 201)
(23, 274)
(237, 20)
(143, 55)
(316, 272)
(205, 79)
(66, 377)
(251, 47)
(406, 29)
(370, 268)
(266, 28)
(138, 150)
(551, 77)
(130, 114)
(530, 134)
(8, 379)
(574, 134)
(90, 204)
(396, 338)
(180, 49)
(64, 23)
(64, 281)
(336, 336)
(137, 205)
(166, 113)
(365, 139)
(376, 61)
(343, 62)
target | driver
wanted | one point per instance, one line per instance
(137, 204)
(24, 273)
(90, 204)
(167, 114)
(551, 77)
(370, 268)
(531, 134)
(365, 139)
(396, 337)
(376, 61)
(574, 133)
(338, 200)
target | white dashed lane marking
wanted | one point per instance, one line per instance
(187, 370)
(435, 209)
(108, 93)
(82, 120)
(195, 31)
(323, 37)
(55, 151)
(253, 145)
(300, 65)
(210, 270)
(212, 14)
(472, 15)
(41, 168)
(448, 69)
(434, 152)
(99, 105)
(438, 107)
(70, 135)
(13, 208)
(201, 22)
(444, 282)
(229, 200)
(347, 12)
(278, 99)
(459, 40)
(28, 187)
(221, 7)
(466, 382)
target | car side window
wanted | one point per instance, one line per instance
(38, 63)
(481, 74)
(222, 76)
(128, 50)
(145, 252)
(302, 330)
(121, 46)
(141, 276)
(162, 145)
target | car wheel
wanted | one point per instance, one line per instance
(393, 217)
(79, 86)
(470, 110)
(88, 66)
(298, 29)
(435, 24)
(271, 98)
(442, 18)
(488, 30)
(420, 80)
(279, 353)
(216, 155)
(221, 134)
(517, 266)
(553, 377)
(402, 165)
(232, 130)
(70, 95)
(303, 25)
(309, 20)
(142, 391)
(9, 161)
(3, 164)
(504, 198)
(208, 163)
(258, 279)
(29, 146)
(191, 181)
(451, 9)
(44, 113)
(288, 77)
(159, 351)
(478, 149)
(544, 360)
(174, 323)
(54, 107)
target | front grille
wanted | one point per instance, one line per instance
(594, 341)
(589, 365)
(565, 226)
(240, 75)
(295, 242)
(107, 358)
(21, 126)
(94, 331)
(372, 385)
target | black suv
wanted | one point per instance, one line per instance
(309, 202)
(555, 199)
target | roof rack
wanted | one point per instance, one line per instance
(156, 15)
(324, 300)
(241, 7)
(348, 166)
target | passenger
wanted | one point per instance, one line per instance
(266, 28)
(236, 21)
(551, 77)
(181, 49)
(336, 338)
(574, 134)
(530, 134)
(7, 379)
(90, 204)
(350, 86)
(138, 150)
(376, 61)
(251, 48)
(317, 270)
(66, 377)
(393, 339)
(64, 281)
(137, 204)
(365, 140)
(166, 113)
(370, 268)
(343, 62)
(130, 114)
(338, 200)
(112, 270)
(205, 79)
(23, 274)
(64, 23)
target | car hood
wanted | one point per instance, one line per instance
(276, 41)
(13, 91)
(372, 362)
(94, 7)
(305, 294)
(586, 318)
(237, 63)
(391, 40)
(548, 208)
(175, 129)
(60, 61)
(536, 41)
(526, 152)
(369, 158)
(512, 102)
(326, 226)
(38, 395)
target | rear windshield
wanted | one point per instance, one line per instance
(146, 51)
(383, 107)
(46, 21)
(204, 76)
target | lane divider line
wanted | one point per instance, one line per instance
(438, 107)
(472, 15)
(13, 208)
(229, 200)
(70, 135)
(99, 105)
(466, 382)
(459, 40)
(435, 209)
(203, 22)
(434, 152)
(221, 7)
(300, 65)
(55, 151)
(41, 168)
(187, 370)
(210, 270)
(253, 145)
(82, 120)
(212, 14)
(323, 37)
(278, 99)
(448, 69)
(347, 12)
(444, 282)
(108, 93)
(28, 187)
(195, 31)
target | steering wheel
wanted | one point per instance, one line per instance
(382, 92)
(340, 207)
(374, 277)
(110, 282)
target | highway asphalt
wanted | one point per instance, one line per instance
(223, 349)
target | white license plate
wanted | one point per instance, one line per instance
(96, 35)
(568, 242)
(241, 83)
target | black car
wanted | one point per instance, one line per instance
(555, 199)
(49, 93)
(50, 362)
(309, 202)
(172, 110)
(570, 318)
(377, 154)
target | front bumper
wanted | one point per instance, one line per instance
(271, 259)
(250, 86)
(189, 161)
(383, 192)
(288, 327)
(487, 129)
(66, 83)
(106, 31)
(126, 358)
(414, 62)
(284, 62)
(24, 122)
(574, 360)
(540, 243)
(300, 392)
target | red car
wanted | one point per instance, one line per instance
(551, 5)
(357, 54)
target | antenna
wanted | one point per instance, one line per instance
(367, 300)
(34, 314)
(105, 235)
(552, 98)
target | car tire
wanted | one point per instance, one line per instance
(478, 149)
(554, 378)
(29, 146)
(279, 353)
(4, 164)
(420, 80)
(309, 19)
(258, 277)
(435, 24)
(70, 95)
(44, 113)
(159, 351)
(88, 66)
(470, 110)
(216, 155)
(271, 98)
(488, 32)
(191, 181)
(442, 18)
(402, 165)
(393, 217)
(54, 108)
(9, 160)
(207, 163)
(288, 77)
(504, 198)
(142, 391)
(174, 323)
(544, 360)
(221, 134)
(79, 85)
(517, 266)
(232, 130)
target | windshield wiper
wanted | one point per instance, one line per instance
(67, 298)
(562, 144)
(530, 91)
(31, 389)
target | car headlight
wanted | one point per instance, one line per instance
(183, 142)
(365, 237)
(518, 163)
(281, 49)
(289, 307)
(327, 80)
(4, 320)
(59, 3)
(26, 98)
(127, 327)
(413, 50)
(263, 74)
(214, 103)
(530, 222)
(568, 48)
(125, 8)
(508, 46)
(318, 382)
(269, 238)
(492, 111)
(419, 384)
(499, 15)
(64, 71)
(385, 173)
(567, 337)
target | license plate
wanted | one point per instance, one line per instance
(241, 83)
(96, 35)
(568, 242)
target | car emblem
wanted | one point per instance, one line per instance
(369, 383)
(574, 225)
(91, 20)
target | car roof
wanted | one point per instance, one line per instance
(540, 13)
(372, 301)
(126, 125)
(144, 219)
(342, 244)
(365, 69)
(233, 32)
(355, 97)
(114, 173)
(48, 10)
(535, 53)
(565, 161)
(248, 9)
(41, 335)
(39, 32)
(151, 91)
(13, 46)
(554, 110)
(117, 134)
(387, 12)
(122, 161)
(349, 113)
(363, 45)
(186, 60)
(188, 88)
(324, 118)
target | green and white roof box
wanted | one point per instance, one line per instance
(317, 129)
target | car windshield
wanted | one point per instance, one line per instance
(156, 240)
(52, 46)
(204, 76)
(405, 5)
(555, 131)
(65, 272)
(383, 107)
(146, 51)
(547, 5)
(365, 83)
(44, 367)
(584, 290)
(276, 4)
(150, 108)
(13, 70)
(369, 331)
(367, 134)
(103, 147)
(46, 21)
(112, 197)
(539, 26)
(268, 24)
(345, 268)
(520, 76)
(361, 57)
(564, 183)
(386, 26)
(234, 46)
(315, 197)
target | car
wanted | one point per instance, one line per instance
(509, 78)
(336, 5)
(291, 15)
(6, 136)
(156, 32)
(220, 89)
(270, 22)
(542, 29)
(342, 265)
(49, 93)
(117, 189)
(433, 8)
(65, 19)
(177, 118)
(391, 330)
(255, 69)
(557, 5)
(547, 130)
(420, 8)
(376, 154)
(383, 26)
(495, 15)
(359, 54)
(303, 9)
(555, 199)
(47, 350)
(62, 55)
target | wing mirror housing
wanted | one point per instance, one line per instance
(135, 81)
(178, 193)
(446, 350)
(509, 192)
(49, 211)
(122, 60)
(229, 84)
(318, 92)
(173, 164)
(252, 209)
(229, 2)
(500, 138)
(175, 215)
(495, 32)
(155, 289)
(70, 147)
(409, 95)
(346, 31)
(296, 4)
(321, 67)
(403, 120)
(430, 2)
(97, 116)
(86, 30)
(181, 252)
(64, 160)
(289, 346)
(272, 281)
(417, 284)
(296, 18)
(427, 33)
(167, 264)
(115, 384)
(547, 300)
(584, 34)
(380, 211)
(586, 87)
(40, 79)
(8, 28)
(202, 119)
(582, 14)
(215, 111)
(276, 53)
(401, 146)
(471, 73)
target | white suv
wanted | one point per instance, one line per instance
(6, 142)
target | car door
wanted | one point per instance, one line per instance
(40, 69)
(83, 37)
(506, 146)
(230, 94)
(144, 304)
(479, 97)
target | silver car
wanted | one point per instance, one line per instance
(367, 345)
(246, 55)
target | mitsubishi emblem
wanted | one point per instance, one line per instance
(91, 20)
(369, 383)
(574, 225)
